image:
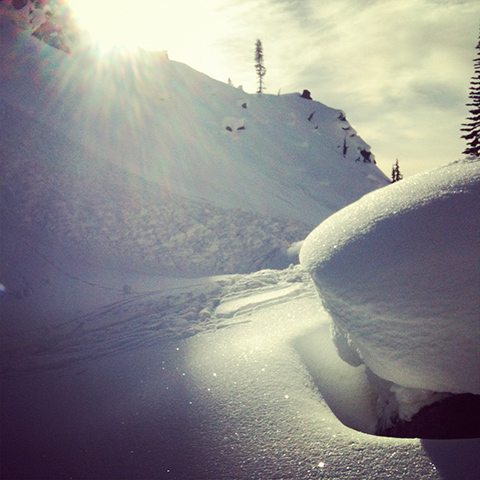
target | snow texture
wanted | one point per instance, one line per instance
(141, 316)
(138, 338)
(399, 273)
(251, 396)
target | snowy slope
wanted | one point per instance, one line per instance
(142, 164)
(171, 125)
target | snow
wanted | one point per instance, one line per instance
(166, 123)
(244, 399)
(399, 273)
(154, 320)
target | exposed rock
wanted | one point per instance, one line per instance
(306, 94)
(457, 416)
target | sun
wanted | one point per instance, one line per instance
(191, 31)
(113, 23)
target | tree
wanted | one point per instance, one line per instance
(396, 175)
(259, 67)
(472, 127)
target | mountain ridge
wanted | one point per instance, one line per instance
(188, 132)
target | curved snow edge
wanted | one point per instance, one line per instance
(398, 272)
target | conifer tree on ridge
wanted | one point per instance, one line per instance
(472, 126)
(259, 67)
(396, 175)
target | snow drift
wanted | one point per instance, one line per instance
(399, 273)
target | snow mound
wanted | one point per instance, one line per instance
(399, 272)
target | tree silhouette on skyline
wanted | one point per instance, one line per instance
(472, 126)
(259, 67)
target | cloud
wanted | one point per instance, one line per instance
(401, 71)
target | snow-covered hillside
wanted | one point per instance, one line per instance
(141, 163)
(192, 135)
(153, 321)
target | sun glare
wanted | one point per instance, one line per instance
(150, 24)
(111, 23)
(188, 30)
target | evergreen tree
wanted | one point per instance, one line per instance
(472, 127)
(396, 175)
(259, 67)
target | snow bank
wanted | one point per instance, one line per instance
(399, 273)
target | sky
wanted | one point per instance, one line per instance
(399, 69)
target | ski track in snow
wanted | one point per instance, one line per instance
(147, 318)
